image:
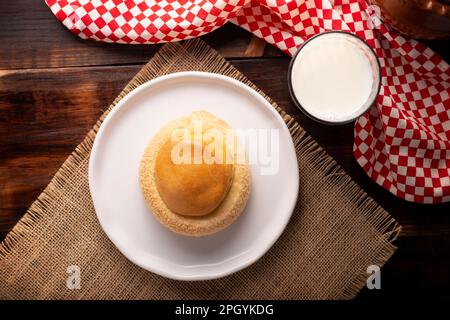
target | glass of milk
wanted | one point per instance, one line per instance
(334, 77)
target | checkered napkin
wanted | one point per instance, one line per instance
(402, 143)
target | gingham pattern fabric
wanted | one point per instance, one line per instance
(402, 143)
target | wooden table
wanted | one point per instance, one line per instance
(54, 86)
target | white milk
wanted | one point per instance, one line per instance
(333, 77)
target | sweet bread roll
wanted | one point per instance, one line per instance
(194, 175)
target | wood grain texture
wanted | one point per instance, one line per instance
(32, 37)
(255, 48)
(54, 86)
(46, 113)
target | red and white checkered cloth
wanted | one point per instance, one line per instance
(402, 143)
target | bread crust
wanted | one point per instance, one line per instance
(225, 214)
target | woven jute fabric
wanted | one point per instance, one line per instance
(335, 232)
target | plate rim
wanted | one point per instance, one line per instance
(250, 256)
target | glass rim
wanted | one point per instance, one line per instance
(364, 110)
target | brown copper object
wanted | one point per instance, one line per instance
(425, 19)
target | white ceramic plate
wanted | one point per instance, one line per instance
(120, 206)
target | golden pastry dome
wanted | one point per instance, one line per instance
(188, 195)
(189, 188)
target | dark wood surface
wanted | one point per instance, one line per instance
(54, 86)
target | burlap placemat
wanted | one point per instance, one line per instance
(335, 233)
